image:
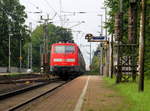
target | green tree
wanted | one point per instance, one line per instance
(12, 18)
(113, 5)
(55, 34)
(147, 41)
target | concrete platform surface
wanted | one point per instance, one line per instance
(85, 93)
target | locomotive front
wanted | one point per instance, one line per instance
(64, 59)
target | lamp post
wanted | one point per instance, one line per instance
(101, 59)
(29, 50)
(9, 67)
(20, 58)
(30, 44)
(29, 58)
(9, 52)
(28, 66)
(41, 51)
(101, 45)
(105, 20)
(30, 26)
(101, 26)
(90, 55)
(107, 49)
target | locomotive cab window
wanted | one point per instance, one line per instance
(69, 49)
(64, 49)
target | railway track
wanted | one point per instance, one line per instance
(19, 106)
(12, 85)
(27, 96)
(22, 90)
(18, 78)
(9, 88)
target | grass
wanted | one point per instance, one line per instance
(140, 100)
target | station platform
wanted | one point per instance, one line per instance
(85, 93)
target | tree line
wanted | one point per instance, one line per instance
(12, 24)
(113, 8)
(12, 19)
(55, 34)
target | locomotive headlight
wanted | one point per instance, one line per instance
(70, 60)
(57, 60)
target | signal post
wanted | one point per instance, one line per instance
(104, 45)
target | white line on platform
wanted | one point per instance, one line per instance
(81, 99)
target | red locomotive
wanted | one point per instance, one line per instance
(66, 60)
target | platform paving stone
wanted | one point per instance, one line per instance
(98, 97)
(62, 100)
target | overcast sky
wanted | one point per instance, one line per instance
(52, 8)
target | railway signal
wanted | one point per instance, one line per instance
(101, 39)
(88, 36)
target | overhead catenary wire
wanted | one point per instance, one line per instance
(56, 13)
(48, 4)
(30, 11)
(33, 4)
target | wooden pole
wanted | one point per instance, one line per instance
(111, 58)
(119, 32)
(132, 34)
(106, 61)
(100, 61)
(107, 48)
(102, 64)
(141, 46)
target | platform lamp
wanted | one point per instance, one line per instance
(9, 52)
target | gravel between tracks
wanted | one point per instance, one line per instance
(8, 84)
(5, 88)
